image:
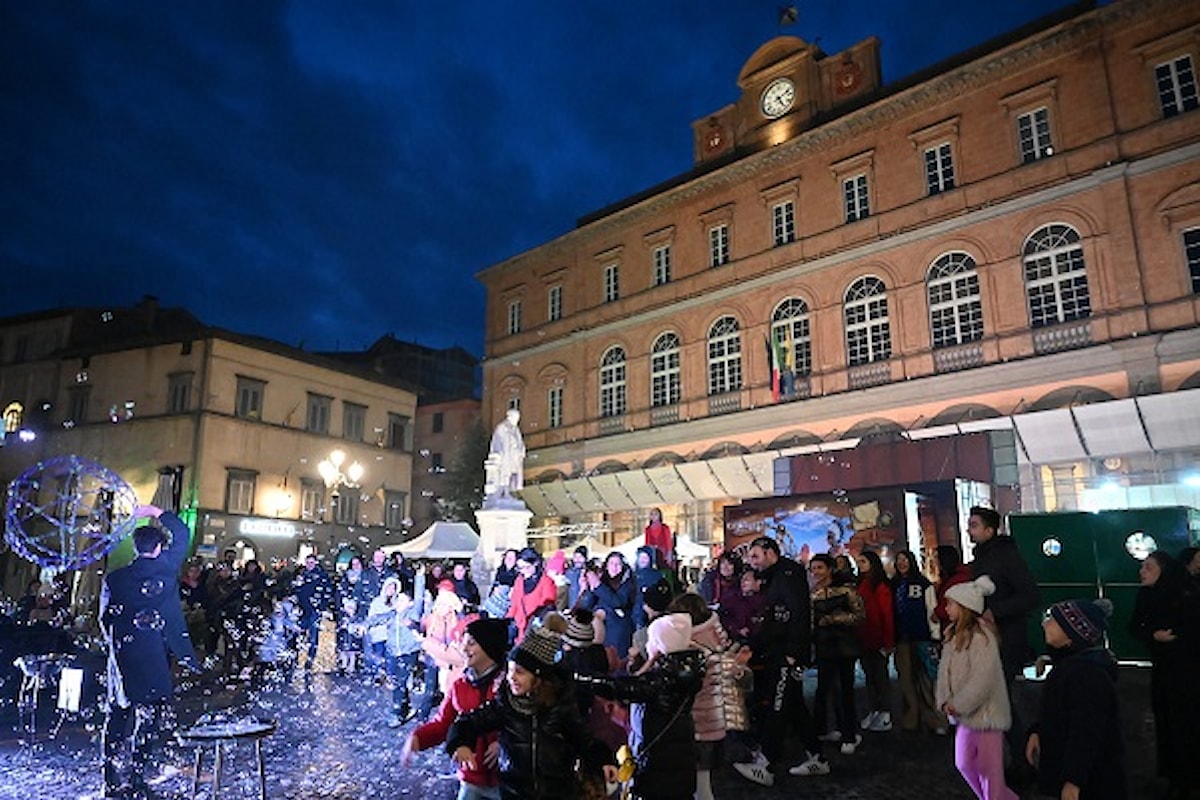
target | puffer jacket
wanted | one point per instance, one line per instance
(716, 709)
(661, 730)
(837, 611)
(538, 750)
(972, 681)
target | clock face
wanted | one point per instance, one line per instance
(778, 97)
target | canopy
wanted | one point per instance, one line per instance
(684, 546)
(440, 540)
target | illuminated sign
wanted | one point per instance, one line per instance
(267, 527)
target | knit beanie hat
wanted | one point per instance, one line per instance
(972, 593)
(657, 596)
(580, 632)
(445, 585)
(670, 633)
(492, 637)
(1083, 620)
(557, 563)
(539, 652)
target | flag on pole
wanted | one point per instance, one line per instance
(788, 15)
(773, 358)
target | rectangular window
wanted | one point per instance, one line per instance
(1033, 133)
(394, 509)
(439, 421)
(77, 404)
(249, 398)
(354, 421)
(1191, 249)
(612, 283)
(312, 499)
(662, 264)
(514, 316)
(345, 506)
(1176, 86)
(939, 169)
(854, 193)
(554, 303)
(554, 400)
(783, 222)
(239, 491)
(318, 413)
(179, 393)
(514, 403)
(718, 245)
(398, 434)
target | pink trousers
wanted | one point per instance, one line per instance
(979, 756)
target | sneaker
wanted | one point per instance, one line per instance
(757, 757)
(868, 721)
(814, 765)
(882, 722)
(832, 736)
(848, 748)
(395, 722)
(756, 772)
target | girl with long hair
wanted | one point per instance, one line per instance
(914, 658)
(972, 692)
(878, 636)
(837, 611)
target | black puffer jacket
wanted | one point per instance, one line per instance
(662, 734)
(1079, 730)
(538, 750)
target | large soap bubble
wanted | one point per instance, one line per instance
(67, 512)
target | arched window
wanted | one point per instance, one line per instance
(14, 415)
(1055, 276)
(868, 329)
(724, 356)
(955, 308)
(664, 371)
(612, 382)
(789, 332)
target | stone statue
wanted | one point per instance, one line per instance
(505, 465)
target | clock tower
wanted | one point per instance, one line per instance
(785, 85)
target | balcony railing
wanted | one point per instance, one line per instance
(872, 374)
(724, 403)
(952, 359)
(1068, 336)
(613, 424)
(664, 415)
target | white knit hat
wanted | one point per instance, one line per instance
(669, 633)
(972, 593)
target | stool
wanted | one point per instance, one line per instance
(219, 733)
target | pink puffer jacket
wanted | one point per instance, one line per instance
(716, 708)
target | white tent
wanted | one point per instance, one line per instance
(684, 546)
(440, 540)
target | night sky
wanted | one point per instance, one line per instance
(323, 173)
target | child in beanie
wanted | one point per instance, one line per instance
(542, 735)
(972, 692)
(1076, 744)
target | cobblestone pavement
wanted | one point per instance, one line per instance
(333, 743)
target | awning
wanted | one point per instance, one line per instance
(611, 492)
(670, 484)
(702, 479)
(1113, 428)
(1172, 420)
(639, 487)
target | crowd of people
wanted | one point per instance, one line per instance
(533, 687)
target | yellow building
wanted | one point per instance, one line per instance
(1007, 244)
(231, 427)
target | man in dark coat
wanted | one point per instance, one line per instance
(1015, 599)
(314, 597)
(142, 618)
(784, 648)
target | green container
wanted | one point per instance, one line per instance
(1079, 554)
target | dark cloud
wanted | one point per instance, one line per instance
(328, 172)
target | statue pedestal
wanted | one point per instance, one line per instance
(502, 526)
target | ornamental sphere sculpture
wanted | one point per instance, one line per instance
(67, 512)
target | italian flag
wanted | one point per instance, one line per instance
(775, 357)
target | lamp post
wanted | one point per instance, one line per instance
(331, 472)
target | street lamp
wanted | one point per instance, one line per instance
(331, 472)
